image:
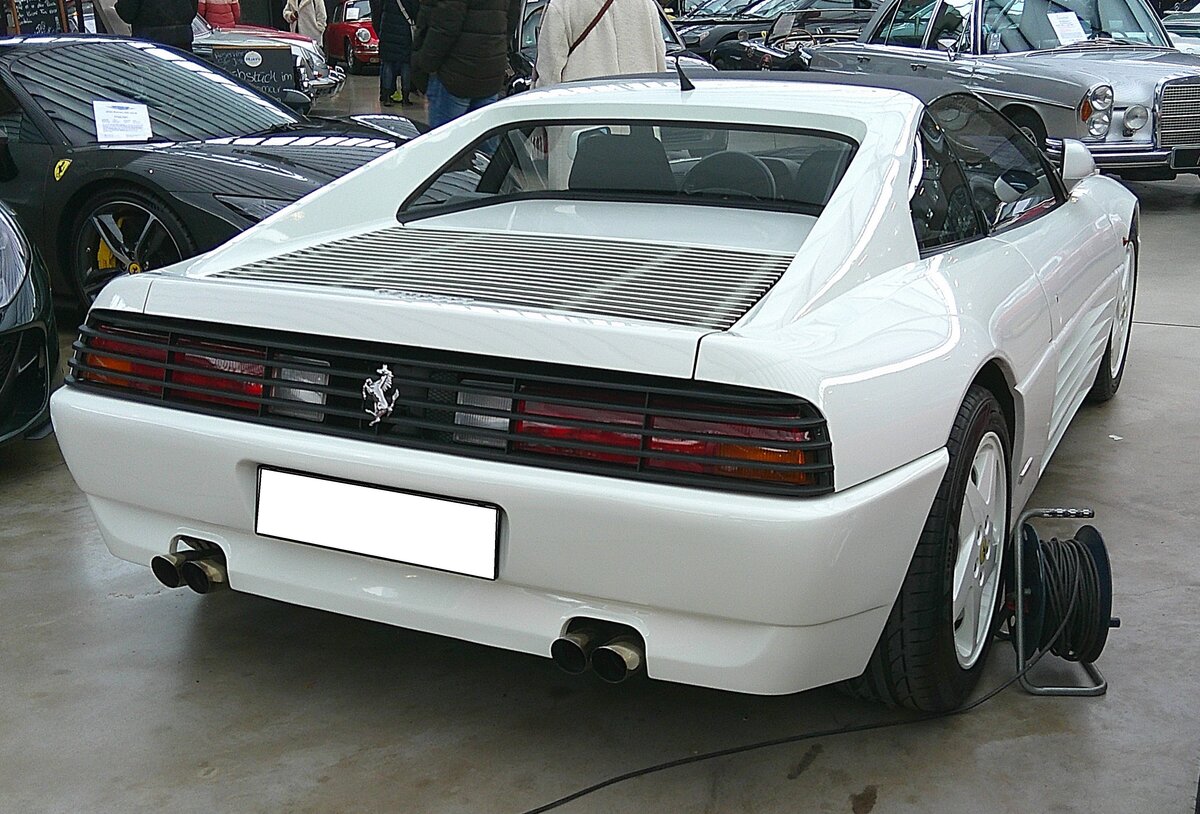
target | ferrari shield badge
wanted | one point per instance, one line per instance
(381, 395)
(60, 169)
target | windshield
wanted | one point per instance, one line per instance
(1011, 26)
(363, 7)
(656, 162)
(184, 99)
(773, 8)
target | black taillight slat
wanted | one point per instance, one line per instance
(433, 387)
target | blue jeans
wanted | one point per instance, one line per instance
(445, 106)
(389, 70)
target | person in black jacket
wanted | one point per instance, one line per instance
(462, 53)
(165, 21)
(393, 21)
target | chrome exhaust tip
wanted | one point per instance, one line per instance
(168, 568)
(204, 576)
(619, 659)
(573, 651)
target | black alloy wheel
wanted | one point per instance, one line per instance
(123, 231)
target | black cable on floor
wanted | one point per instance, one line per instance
(824, 733)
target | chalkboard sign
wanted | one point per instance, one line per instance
(40, 16)
(270, 68)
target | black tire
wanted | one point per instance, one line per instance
(1031, 124)
(88, 274)
(353, 66)
(1107, 383)
(916, 664)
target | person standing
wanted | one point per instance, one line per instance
(462, 53)
(166, 21)
(221, 13)
(586, 39)
(393, 22)
(306, 17)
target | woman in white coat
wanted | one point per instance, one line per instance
(307, 17)
(586, 39)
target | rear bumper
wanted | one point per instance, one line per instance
(741, 592)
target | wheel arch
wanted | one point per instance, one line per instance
(1017, 111)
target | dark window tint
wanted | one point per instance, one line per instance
(943, 212)
(786, 170)
(14, 121)
(1008, 177)
(906, 24)
(186, 98)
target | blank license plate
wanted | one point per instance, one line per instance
(433, 532)
(1185, 158)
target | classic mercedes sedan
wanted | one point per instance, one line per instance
(778, 448)
(1102, 71)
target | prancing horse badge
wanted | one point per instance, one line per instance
(377, 390)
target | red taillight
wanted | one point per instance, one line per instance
(569, 423)
(105, 366)
(216, 376)
(207, 374)
(747, 445)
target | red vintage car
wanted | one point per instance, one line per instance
(350, 35)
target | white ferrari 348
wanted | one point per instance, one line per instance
(740, 384)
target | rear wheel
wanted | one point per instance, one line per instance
(1112, 366)
(123, 231)
(932, 649)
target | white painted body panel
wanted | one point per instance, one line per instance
(742, 592)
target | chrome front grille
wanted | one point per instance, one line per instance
(705, 287)
(1179, 116)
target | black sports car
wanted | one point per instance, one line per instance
(702, 35)
(121, 156)
(28, 341)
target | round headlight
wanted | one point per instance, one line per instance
(14, 264)
(362, 35)
(1101, 97)
(1136, 118)
(1099, 123)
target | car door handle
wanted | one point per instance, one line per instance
(917, 66)
(861, 58)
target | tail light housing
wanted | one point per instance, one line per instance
(189, 370)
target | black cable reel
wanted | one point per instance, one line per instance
(1065, 590)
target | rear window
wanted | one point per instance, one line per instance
(778, 169)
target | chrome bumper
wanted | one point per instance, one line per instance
(326, 86)
(1117, 156)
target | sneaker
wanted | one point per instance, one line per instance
(386, 102)
(398, 96)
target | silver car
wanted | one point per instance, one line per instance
(1100, 71)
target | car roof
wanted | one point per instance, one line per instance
(926, 91)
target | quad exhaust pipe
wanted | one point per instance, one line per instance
(201, 569)
(614, 652)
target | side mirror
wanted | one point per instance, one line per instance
(8, 167)
(296, 100)
(1077, 163)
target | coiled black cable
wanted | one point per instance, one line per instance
(1071, 581)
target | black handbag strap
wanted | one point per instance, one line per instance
(595, 21)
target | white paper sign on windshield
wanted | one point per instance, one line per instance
(121, 121)
(1066, 27)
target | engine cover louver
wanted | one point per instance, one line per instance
(700, 287)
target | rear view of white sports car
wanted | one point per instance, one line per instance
(746, 395)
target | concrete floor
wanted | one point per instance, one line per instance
(119, 695)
